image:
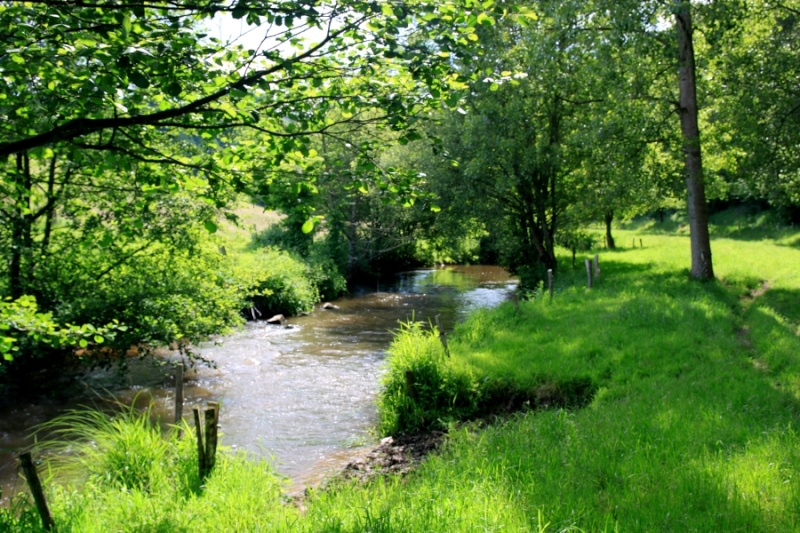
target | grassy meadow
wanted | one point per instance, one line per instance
(689, 420)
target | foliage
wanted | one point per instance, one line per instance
(274, 281)
(127, 128)
(755, 123)
(22, 324)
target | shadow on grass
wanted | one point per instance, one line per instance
(785, 302)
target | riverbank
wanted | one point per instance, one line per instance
(691, 426)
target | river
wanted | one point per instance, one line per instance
(302, 395)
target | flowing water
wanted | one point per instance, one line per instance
(302, 395)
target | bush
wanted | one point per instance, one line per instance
(423, 389)
(278, 282)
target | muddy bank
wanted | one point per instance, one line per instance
(393, 455)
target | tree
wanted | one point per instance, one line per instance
(702, 267)
(127, 127)
(756, 119)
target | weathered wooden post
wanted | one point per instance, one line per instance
(178, 393)
(36, 489)
(588, 263)
(442, 336)
(596, 266)
(201, 449)
(550, 282)
(206, 440)
(640, 244)
(633, 243)
(212, 420)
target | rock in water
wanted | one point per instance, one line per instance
(277, 319)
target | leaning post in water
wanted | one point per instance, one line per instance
(36, 489)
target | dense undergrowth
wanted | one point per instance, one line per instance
(691, 424)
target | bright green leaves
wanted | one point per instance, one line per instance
(210, 226)
(126, 25)
(21, 321)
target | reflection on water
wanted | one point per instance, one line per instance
(303, 395)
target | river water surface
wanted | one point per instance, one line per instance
(303, 395)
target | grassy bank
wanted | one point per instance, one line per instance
(690, 424)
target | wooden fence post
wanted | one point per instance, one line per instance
(212, 419)
(588, 263)
(201, 450)
(206, 447)
(550, 282)
(36, 489)
(640, 244)
(178, 393)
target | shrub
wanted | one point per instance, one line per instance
(278, 282)
(423, 389)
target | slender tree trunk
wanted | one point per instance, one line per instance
(20, 228)
(50, 212)
(608, 218)
(696, 196)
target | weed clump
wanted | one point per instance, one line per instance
(425, 390)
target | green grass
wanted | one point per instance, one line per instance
(691, 425)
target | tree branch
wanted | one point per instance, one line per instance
(83, 126)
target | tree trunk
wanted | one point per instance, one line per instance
(20, 228)
(695, 187)
(608, 218)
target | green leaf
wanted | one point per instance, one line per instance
(308, 226)
(173, 89)
(126, 26)
(387, 10)
(139, 79)
(483, 18)
(83, 343)
(210, 226)
(98, 339)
